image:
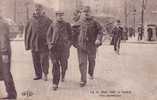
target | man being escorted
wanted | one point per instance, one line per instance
(59, 40)
(35, 40)
(5, 60)
(89, 39)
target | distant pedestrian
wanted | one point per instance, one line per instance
(21, 28)
(140, 35)
(150, 33)
(117, 36)
(131, 32)
(156, 31)
(125, 33)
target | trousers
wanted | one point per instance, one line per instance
(6, 74)
(86, 58)
(41, 62)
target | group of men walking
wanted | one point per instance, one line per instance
(52, 39)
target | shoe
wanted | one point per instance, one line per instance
(9, 97)
(55, 87)
(37, 78)
(63, 77)
(82, 84)
(91, 77)
(62, 80)
(45, 78)
(117, 52)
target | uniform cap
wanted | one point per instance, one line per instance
(59, 13)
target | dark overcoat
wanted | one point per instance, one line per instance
(59, 36)
(117, 33)
(35, 33)
(90, 31)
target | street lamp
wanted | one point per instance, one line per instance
(134, 14)
(142, 21)
(142, 17)
(126, 12)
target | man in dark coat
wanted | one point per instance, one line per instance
(125, 33)
(35, 40)
(59, 40)
(5, 60)
(117, 36)
(150, 33)
(89, 39)
(131, 31)
(140, 33)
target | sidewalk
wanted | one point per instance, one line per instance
(107, 41)
(135, 40)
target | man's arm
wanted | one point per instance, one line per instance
(28, 32)
(69, 29)
(49, 36)
(75, 34)
(98, 41)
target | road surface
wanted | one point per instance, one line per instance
(132, 75)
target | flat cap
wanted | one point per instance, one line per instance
(86, 9)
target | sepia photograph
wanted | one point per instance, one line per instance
(78, 50)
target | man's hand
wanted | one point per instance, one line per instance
(5, 58)
(50, 46)
(97, 42)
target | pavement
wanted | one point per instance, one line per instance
(132, 75)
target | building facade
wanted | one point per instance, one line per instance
(21, 10)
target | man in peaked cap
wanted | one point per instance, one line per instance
(59, 40)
